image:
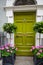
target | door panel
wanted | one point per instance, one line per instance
(25, 36)
(19, 40)
(29, 40)
(29, 26)
(19, 24)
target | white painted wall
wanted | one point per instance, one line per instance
(3, 18)
(39, 16)
(9, 2)
(40, 12)
(39, 2)
(9, 14)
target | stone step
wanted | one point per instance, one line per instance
(21, 60)
(24, 58)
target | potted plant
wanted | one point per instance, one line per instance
(37, 54)
(38, 27)
(9, 28)
(8, 51)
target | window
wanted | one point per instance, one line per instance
(25, 2)
(3, 39)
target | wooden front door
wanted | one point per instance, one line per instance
(25, 36)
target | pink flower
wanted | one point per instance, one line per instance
(33, 47)
(6, 47)
(7, 50)
(40, 46)
(40, 50)
(11, 45)
(37, 47)
(8, 44)
(2, 48)
(38, 53)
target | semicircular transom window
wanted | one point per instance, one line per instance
(24, 2)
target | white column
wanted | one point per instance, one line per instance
(10, 2)
(9, 14)
(38, 19)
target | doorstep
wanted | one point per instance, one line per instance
(22, 60)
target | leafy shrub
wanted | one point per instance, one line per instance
(38, 27)
(7, 49)
(9, 27)
(38, 51)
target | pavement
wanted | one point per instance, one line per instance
(22, 60)
(0, 62)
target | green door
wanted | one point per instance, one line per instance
(25, 37)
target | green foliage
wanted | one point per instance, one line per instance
(7, 50)
(40, 56)
(9, 27)
(35, 51)
(38, 27)
(38, 51)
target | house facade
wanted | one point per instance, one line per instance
(3, 18)
(24, 14)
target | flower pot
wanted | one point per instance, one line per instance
(9, 60)
(14, 56)
(37, 61)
